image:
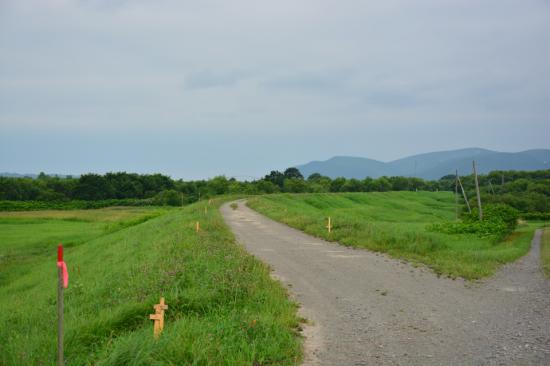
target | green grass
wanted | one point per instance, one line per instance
(396, 223)
(545, 252)
(223, 306)
(27, 237)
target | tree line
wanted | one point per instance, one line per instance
(525, 191)
(122, 185)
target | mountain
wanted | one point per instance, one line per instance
(432, 165)
(344, 166)
(17, 175)
(33, 176)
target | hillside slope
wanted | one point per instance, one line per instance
(223, 306)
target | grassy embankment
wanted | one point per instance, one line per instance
(397, 223)
(545, 251)
(223, 306)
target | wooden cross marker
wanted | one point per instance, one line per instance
(158, 317)
(197, 226)
(329, 225)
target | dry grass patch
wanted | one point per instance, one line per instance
(109, 214)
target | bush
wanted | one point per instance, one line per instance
(498, 221)
(536, 216)
(496, 213)
(295, 185)
(168, 197)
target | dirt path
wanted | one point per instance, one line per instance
(370, 309)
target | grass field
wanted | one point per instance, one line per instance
(27, 237)
(223, 306)
(545, 251)
(396, 223)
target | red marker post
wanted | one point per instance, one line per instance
(62, 283)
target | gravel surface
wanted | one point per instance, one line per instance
(368, 308)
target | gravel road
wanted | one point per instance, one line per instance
(369, 309)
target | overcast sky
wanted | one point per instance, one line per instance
(195, 89)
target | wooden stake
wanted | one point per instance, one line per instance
(197, 226)
(62, 282)
(158, 317)
(329, 225)
(477, 192)
(464, 194)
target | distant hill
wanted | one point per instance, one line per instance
(432, 165)
(17, 175)
(34, 176)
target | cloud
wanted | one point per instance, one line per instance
(210, 79)
(328, 81)
(391, 100)
(275, 69)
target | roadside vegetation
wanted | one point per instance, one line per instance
(400, 224)
(499, 221)
(223, 306)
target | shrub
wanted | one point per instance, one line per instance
(496, 213)
(536, 216)
(295, 185)
(498, 221)
(168, 197)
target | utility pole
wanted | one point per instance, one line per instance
(477, 192)
(456, 195)
(415, 186)
(464, 193)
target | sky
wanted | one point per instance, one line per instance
(195, 89)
